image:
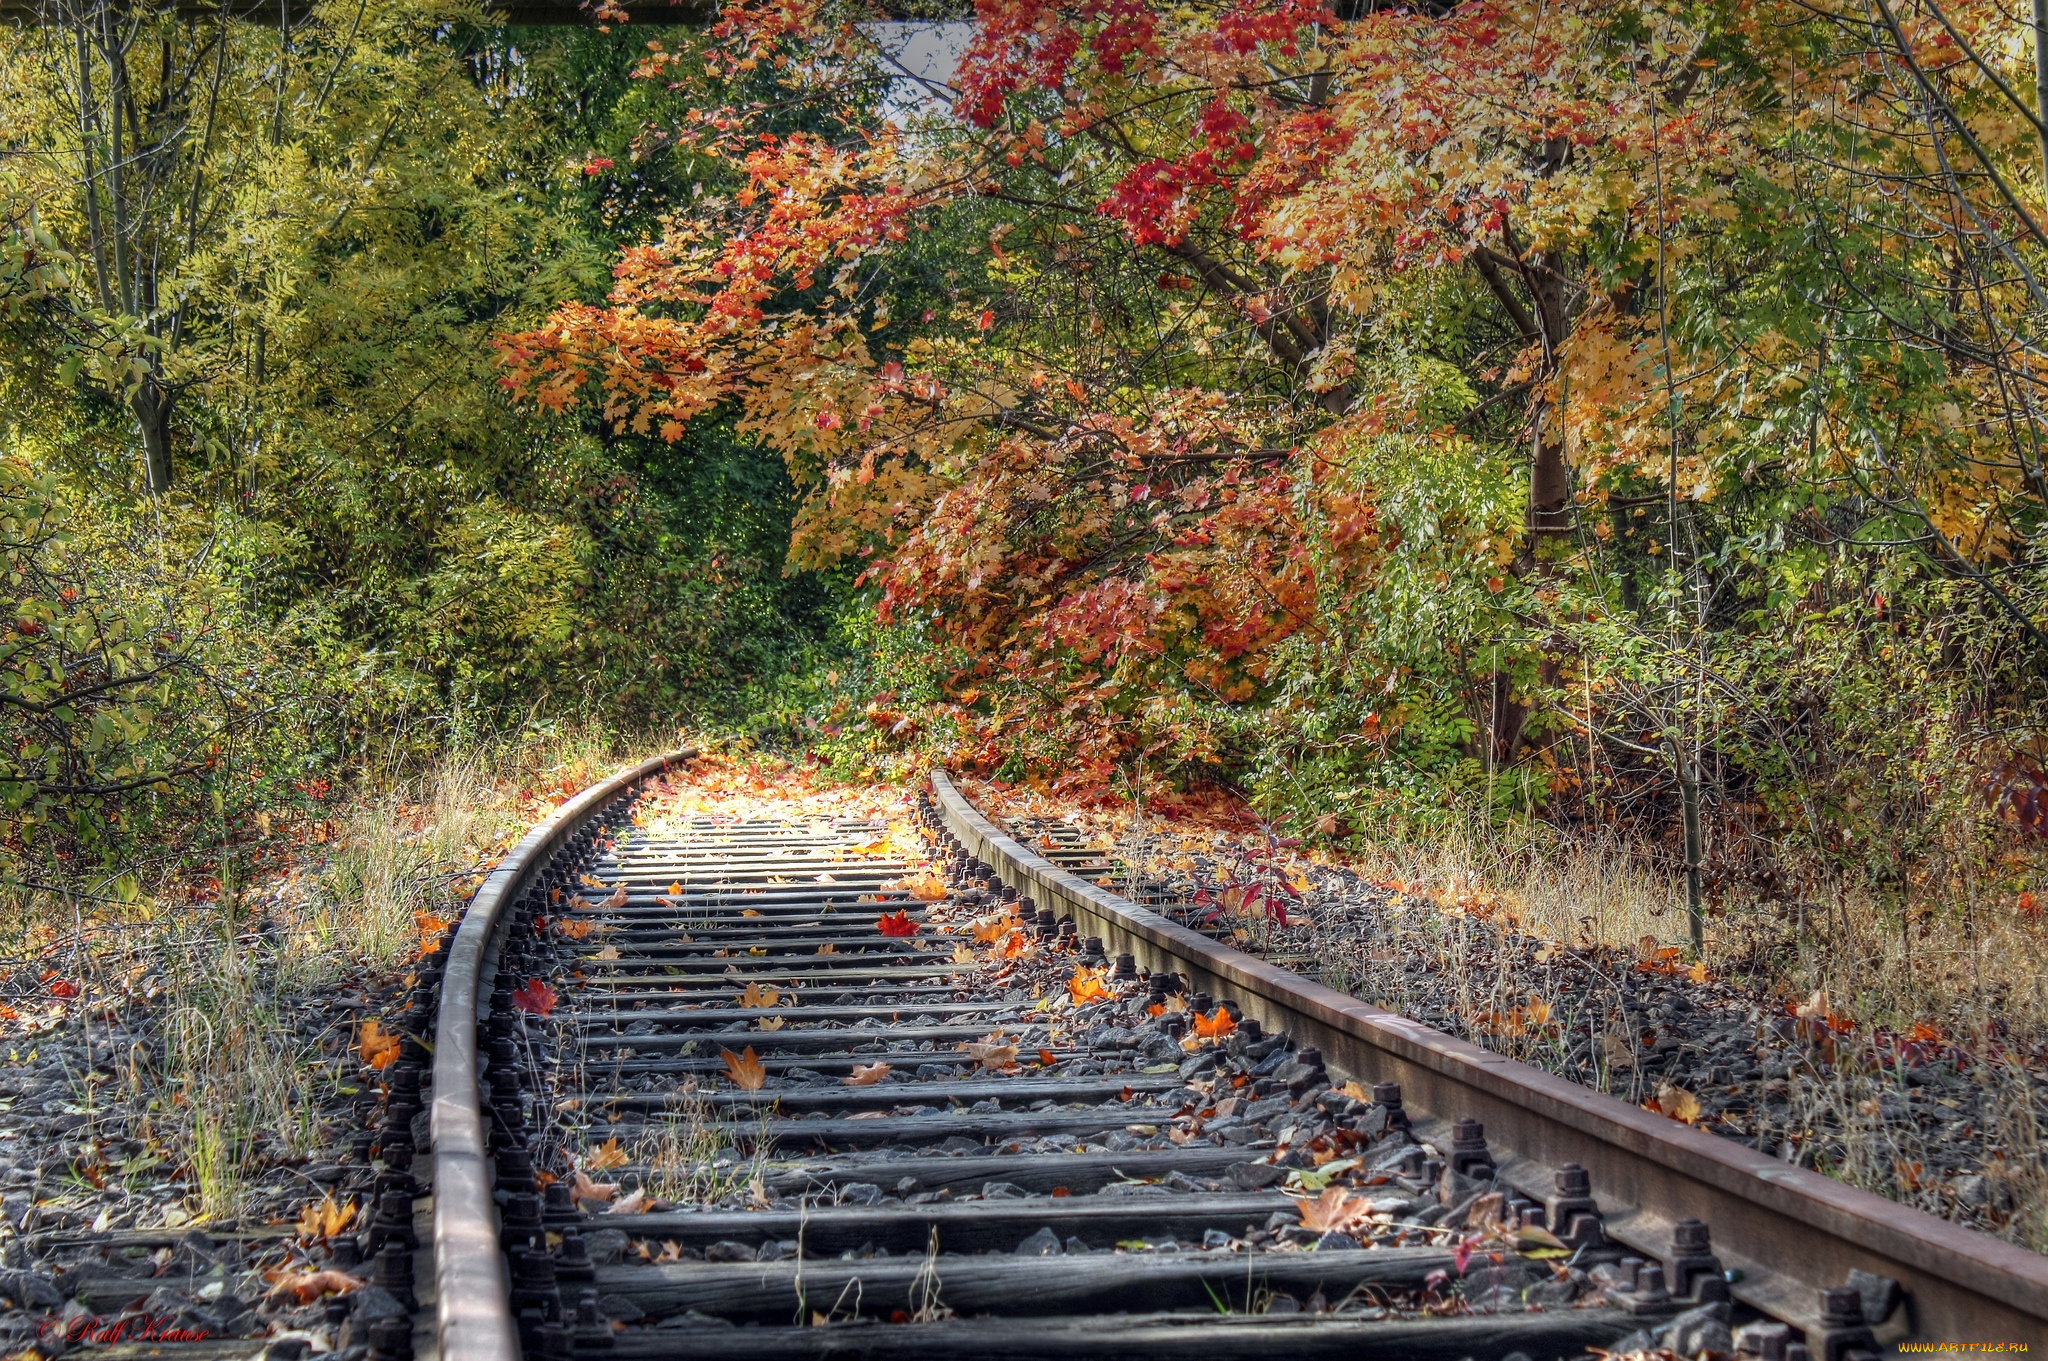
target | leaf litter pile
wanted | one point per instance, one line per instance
(1923, 1117)
(1329, 1169)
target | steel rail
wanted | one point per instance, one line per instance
(472, 1288)
(1789, 1232)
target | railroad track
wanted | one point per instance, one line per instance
(860, 1098)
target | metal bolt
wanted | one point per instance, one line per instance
(394, 1273)
(1841, 1306)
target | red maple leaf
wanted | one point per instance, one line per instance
(60, 988)
(899, 924)
(535, 999)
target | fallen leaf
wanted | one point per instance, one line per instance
(675, 889)
(898, 924)
(828, 948)
(992, 928)
(750, 912)
(771, 1023)
(303, 1287)
(430, 928)
(575, 930)
(60, 988)
(744, 1070)
(1335, 1211)
(1088, 985)
(608, 952)
(1678, 1103)
(583, 1188)
(865, 1075)
(1616, 1051)
(991, 1053)
(760, 995)
(671, 1251)
(324, 1218)
(616, 899)
(535, 999)
(379, 1047)
(1213, 1027)
(926, 888)
(963, 955)
(606, 1156)
(632, 1203)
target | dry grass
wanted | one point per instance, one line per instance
(691, 1160)
(311, 906)
(1971, 967)
(1969, 970)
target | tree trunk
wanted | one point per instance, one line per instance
(1550, 484)
(152, 407)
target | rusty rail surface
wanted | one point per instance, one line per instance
(472, 1289)
(1788, 1232)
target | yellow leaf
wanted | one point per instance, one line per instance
(323, 1218)
(1678, 1103)
(927, 887)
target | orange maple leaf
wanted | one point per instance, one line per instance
(430, 927)
(575, 930)
(379, 1047)
(606, 1156)
(866, 1075)
(1213, 1027)
(898, 924)
(1089, 985)
(744, 1070)
(992, 928)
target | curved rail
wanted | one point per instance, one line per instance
(472, 1288)
(1788, 1232)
